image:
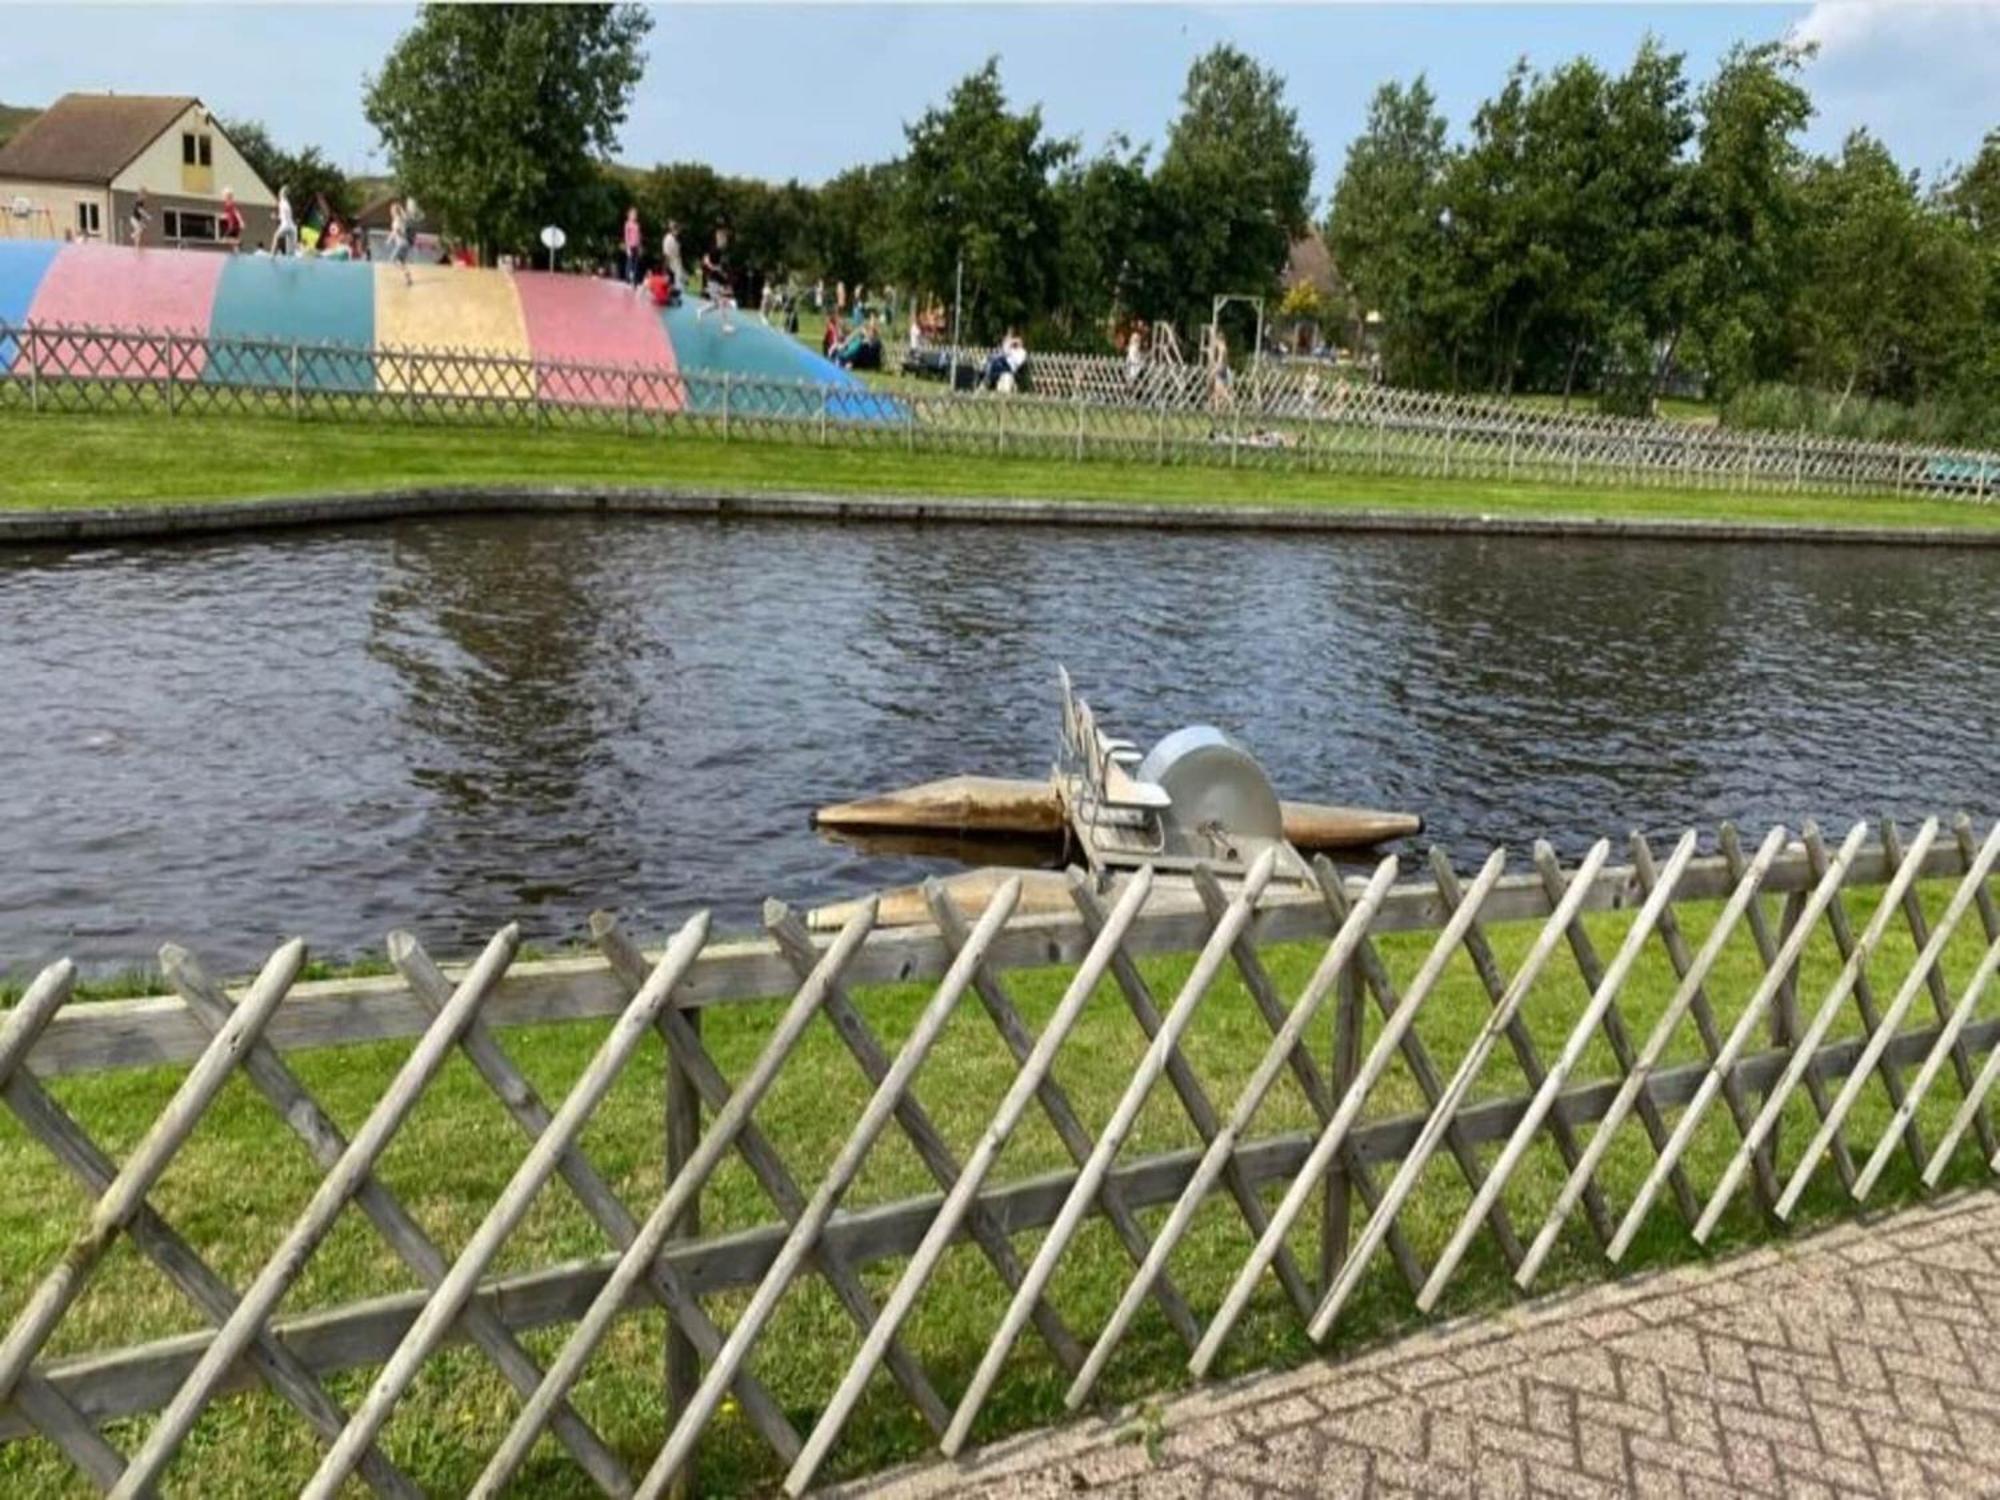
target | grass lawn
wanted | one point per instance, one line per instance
(241, 1180)
(145, 459)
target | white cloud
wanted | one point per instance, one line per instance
(1923, 76)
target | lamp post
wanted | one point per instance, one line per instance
(957, 305)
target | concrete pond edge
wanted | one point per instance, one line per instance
(169, 521)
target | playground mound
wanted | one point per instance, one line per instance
(549, 318)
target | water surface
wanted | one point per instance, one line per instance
(448, 724)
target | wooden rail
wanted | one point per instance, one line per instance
(1772, 1051)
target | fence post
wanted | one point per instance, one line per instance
(167, 363)
(683, 1135)
(631, 399)
(1235, 428)
(1079, 421)
(822, 416)
(295, 380)
(1799, 464)
(1575, 459)
(727, 381)
(1337, 1212)
(1450, 429)
(1513, 440)
(1381, 435)
(33, 342)
(1160, 432)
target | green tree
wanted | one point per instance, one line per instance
(850, 234)
(1116, 262)
(975, 185)
(1383, 225)
(1890, 303)
(1733, 291)
(305, 174)
(495, 116)
(1235, 182)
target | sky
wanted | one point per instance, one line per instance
(781, 90)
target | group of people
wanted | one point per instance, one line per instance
(666, 280)
(323, 233)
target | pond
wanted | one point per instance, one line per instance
(444, 725)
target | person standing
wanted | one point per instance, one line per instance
(399, 238)
(140, 215)
(718, 292)
(670, 253)
(231, 222)
(285, 240)
(633, 240)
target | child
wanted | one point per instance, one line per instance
(140, 214)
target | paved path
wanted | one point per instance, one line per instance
(1862, 1362)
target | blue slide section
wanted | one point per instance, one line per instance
(23, 264)
(758, 352)
(284, 299)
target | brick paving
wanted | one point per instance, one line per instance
(1864, 1361)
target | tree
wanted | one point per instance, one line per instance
(305, 175)
(976, 185)
(1890, 301)
(851, 231)
(495, 116)
(1235, 182)
(1382, 226)
(1115, 259)
(1743, 213)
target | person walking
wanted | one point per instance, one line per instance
(399, 238)
(633, 240)
(137, 223)
(285, 240)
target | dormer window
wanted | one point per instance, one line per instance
(197, 150)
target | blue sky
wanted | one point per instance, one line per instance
(789, 90)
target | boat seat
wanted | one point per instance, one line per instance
(1122, 789)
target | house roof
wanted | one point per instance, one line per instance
(90, 137)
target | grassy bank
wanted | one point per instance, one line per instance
(81, 461)
(237, 1186)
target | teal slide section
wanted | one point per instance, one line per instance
(23, 264)
(287, 300)
(756, 352)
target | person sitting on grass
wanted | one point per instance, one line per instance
(862, 349)
(1007, 363)
(832, 335)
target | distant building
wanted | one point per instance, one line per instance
(76, 168)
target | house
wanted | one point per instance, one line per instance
(75, 170)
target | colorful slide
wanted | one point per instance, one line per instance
(349, 319)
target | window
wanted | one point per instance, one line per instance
(207, 149)
(182, 225)
(187, 148)
(89, 220)
(197, 150)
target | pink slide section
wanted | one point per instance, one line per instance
(590, 320)
(149, 291)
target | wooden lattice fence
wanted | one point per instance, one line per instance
(1765, 1042)
(1279, 416)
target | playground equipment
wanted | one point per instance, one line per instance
(512, 315)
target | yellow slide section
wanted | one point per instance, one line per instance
(472, 314)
